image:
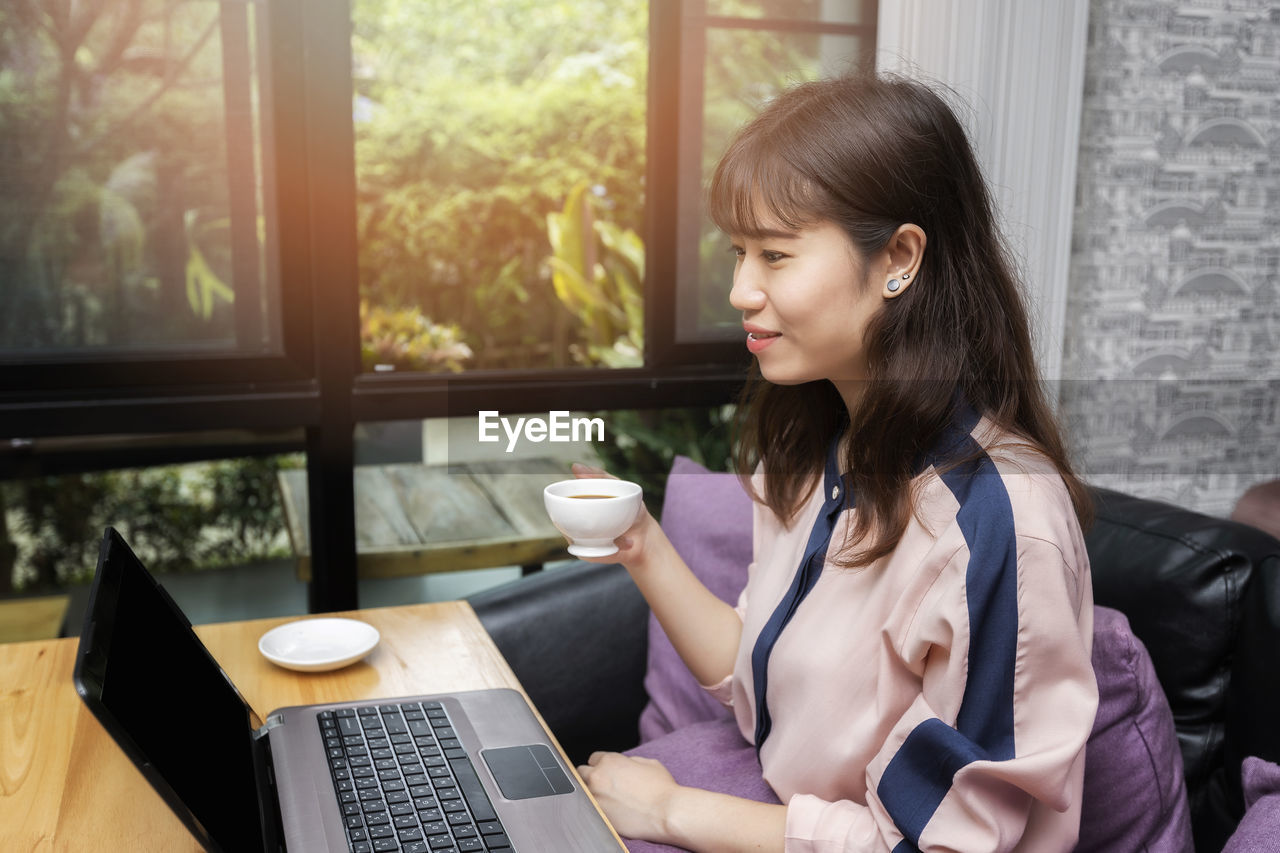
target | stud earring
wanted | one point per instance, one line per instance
(893, 285)
(906, 275)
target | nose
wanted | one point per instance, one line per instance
(745, 295)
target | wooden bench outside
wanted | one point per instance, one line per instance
(414, 519)
(35, 618)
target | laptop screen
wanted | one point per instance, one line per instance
(161, 695)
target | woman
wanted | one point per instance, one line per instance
(910, 656)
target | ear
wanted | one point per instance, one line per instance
(902, 257)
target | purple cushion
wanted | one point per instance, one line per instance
(1259, 829)
(711, 755)
(707, 517)
(1134, 794)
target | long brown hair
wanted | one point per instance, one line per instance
(871, 153)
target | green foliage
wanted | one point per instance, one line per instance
(185, 518)
(111, 133)
(597, 270)
(474, 121)
(406, 340)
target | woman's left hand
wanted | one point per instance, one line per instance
(635, 793)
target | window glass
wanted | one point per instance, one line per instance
(500, 165)
(742, 70)
(213, 532)
(132, 210)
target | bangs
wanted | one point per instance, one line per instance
(754, 191)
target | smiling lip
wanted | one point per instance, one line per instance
(758, 337)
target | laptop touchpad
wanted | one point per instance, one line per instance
(526, 771)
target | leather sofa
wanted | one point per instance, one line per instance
(1201, 593)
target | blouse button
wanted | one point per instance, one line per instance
(835, 492)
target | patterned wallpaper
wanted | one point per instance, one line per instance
(1172, 351)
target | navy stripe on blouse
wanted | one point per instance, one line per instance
(836, 495)
(920, 773)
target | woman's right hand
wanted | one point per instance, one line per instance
(631, 544)
(704, 630)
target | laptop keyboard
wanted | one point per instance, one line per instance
(404, 783)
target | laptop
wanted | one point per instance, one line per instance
(449, 773)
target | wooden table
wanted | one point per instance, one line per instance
(414, 519)
(66, 786)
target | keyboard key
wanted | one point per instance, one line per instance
(454, 806)
(466, 845)
(357, 835)
(415, 847)
(490, 827)
(414, 834)
(386, 845)
(402, 809)
(497, 842)
(366, 710)
(438, 842)
(464, 831)
(362, 847)
(381, 832)
(434, 827)
(378, 819)
(458, 818)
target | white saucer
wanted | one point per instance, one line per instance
(320, 644)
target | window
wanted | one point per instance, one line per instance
(199, 195)
(136, 223)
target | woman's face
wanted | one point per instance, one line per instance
(805, 303)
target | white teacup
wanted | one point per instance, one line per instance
(592, 512)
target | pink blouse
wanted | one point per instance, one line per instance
(940, 698)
